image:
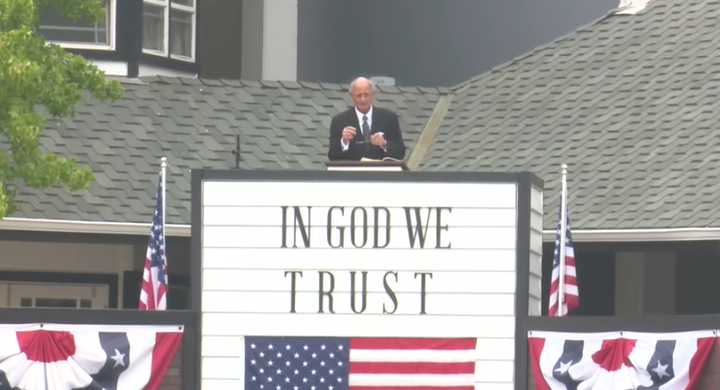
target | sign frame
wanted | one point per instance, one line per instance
(525, 181)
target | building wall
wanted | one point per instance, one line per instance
(173, 376)
(269, 40)
(536, 255)
(416, 42)
(28, 257)
(645, 283)
(66, 257)
(419, 42)
(697, 267)
(642, 278)
(41, 254)
(220, 38)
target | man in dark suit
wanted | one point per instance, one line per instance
(364, 130)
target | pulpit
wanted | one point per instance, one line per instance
(366, 165)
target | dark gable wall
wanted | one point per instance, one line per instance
(428, 42)
(219, 36)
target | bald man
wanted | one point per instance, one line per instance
(365, 130)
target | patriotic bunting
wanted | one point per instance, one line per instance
(85, 357)
(619, 360)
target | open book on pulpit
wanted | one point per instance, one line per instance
(365, 159)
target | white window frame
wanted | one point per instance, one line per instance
(168, 5)
(111, 27)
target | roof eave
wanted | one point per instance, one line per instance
(92, 227)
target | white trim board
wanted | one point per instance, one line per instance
(133, 228)
(68, 226)
(638, 235)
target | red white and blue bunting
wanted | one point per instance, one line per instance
(619, 360)
(80, 357)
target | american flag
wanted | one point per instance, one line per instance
(153, 293)
(570, 289)
(335, 363)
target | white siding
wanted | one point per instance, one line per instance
(246, 291)
(536, 226)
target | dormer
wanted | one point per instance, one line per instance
(155, 37)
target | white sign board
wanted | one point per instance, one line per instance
(357, 259)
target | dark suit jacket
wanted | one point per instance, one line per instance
(383, 121)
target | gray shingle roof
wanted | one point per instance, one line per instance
(631, 103)
(193, 123)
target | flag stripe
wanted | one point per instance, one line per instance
(412, 368)
(536, 346)
(570, 291)
(411, 362)
(166, 345)
(420, 355)
(412, 343)
(699, 361)
(153, 291)
(410, 380)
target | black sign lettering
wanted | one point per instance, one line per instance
(423, 291)
(298, 224)
(359, 226)
(417, 230)
(390, 292)
(363, 293)
(327, 294)
(439, 227)
(292, 288)
(368, 227)
(322, 293)
(330, 228)
(376, 231)
(363, 225)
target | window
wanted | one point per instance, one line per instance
(64, 31)
(175, 38)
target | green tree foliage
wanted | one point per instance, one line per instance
(36, 77)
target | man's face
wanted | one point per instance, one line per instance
(362, 95)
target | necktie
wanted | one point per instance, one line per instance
(366, 128)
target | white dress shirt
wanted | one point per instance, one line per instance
(346, 145)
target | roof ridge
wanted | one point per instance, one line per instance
(460, 87)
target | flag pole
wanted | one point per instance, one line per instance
(563, 239)
(163, 171)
